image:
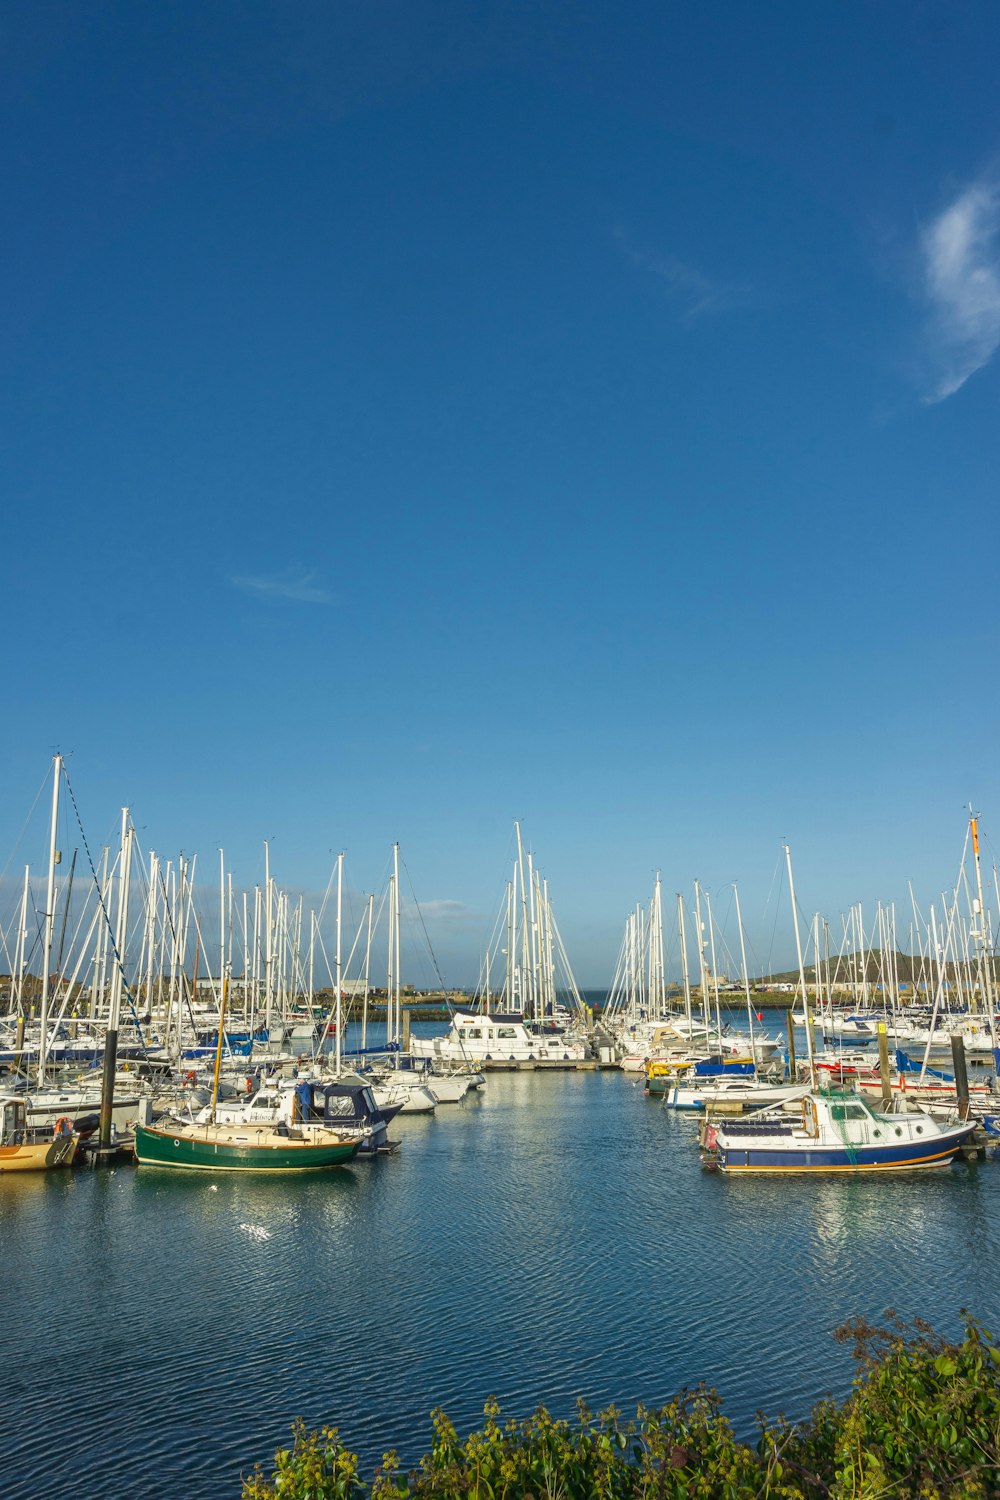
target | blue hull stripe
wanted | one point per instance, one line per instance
(864, 1158)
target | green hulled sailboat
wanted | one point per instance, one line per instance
(210, 1145)
(243, 1148)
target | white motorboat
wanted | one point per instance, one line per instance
(413, 1098)
(751, 1093)
(498, 1037)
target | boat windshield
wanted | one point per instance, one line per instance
(841, 1112)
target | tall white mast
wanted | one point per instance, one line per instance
(248, 999)
(536, 1003)
(368, 962)
(390, 988)
(802, 972)
(983, 929)
(22, 945)
(525, 964)
(681, 926)
(715, 972)
(117, 980)
(50, 917)
(267, 940)
(510, 941)
(222, 917)
(702, 963)
(399, 978)
(152, 906)
(340, 985)
(121, 923)
(743, 970)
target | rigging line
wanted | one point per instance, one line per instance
(24, 826)
(427, 937)
(107, 919)
(778, 869)
(774, 927)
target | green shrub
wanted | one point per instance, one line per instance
(922, 1421)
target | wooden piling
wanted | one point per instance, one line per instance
(883, 1063)
(961, 1075)
(108, 1087)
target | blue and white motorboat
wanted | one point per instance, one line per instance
(836, 1132)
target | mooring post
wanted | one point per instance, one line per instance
(961, 1074)
(883, 1063)
(108, 1088)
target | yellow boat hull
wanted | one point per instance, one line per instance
(39, 1156)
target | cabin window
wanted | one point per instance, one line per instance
(848, 1112)
(475, 1032)
(505, 1033)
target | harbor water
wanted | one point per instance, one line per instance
(554, 1236)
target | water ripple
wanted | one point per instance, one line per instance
(555, 1237)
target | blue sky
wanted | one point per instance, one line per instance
(417, 416)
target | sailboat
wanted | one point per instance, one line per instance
(285, 1143)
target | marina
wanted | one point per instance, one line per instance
(499, 894)
(284, 1205)
(553, 1236)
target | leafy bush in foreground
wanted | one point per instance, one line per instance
(922, 1421)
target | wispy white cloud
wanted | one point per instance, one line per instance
(291, 583)
(442, 912)
(696, 293)
(961, 263)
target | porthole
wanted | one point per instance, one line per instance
(877, 1134)
(899, 1130)
(920, 1130)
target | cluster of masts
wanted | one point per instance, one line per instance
(951, 961)
(525, 967)
(266, 936)
(639, 987)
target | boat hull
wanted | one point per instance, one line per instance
(908, 1156)
(39, 1156)
(218, 1151)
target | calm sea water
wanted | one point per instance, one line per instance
(552, 1237)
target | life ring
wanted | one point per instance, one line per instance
(63, 1126)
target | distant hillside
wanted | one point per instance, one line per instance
(873, 969)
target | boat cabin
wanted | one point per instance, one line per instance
(498, 1036)
(13, 1121)
(352, 1104)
